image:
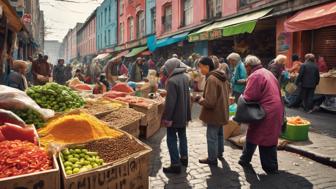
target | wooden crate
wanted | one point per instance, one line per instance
(132, 128)
(151, 128)
(45, 179)
(128, 172)
(150, 113)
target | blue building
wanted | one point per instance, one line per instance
(107, 25)
(150, 17)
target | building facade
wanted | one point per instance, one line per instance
(106, 25)
(86, 37)
(51, 48)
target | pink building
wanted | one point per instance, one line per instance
(131, 20)
(86, 38)
(184, 15)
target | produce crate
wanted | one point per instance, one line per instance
(129, 172)
(150, 113)
(151, 128)
(296, 133)
(45, 179)
(132, 128)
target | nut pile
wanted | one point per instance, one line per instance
(111, 149)
(122, 117)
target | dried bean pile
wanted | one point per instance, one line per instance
(122, 117)
(111, 149)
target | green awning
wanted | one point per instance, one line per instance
(246, 27)
(136, 51)
(242, 23)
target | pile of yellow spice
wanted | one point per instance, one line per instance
(75, 128)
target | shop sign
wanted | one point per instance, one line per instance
(204, 36)
(26, 18)
(215, 34)
(192, 38)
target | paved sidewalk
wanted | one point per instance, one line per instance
(320, 147)
(295, 171)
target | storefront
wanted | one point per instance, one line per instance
(314, 30)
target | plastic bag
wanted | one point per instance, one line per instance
(10, 117)
(11, 98)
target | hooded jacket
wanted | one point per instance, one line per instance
(177, 105)
(215, 105)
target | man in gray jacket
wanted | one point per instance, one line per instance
(177, 113)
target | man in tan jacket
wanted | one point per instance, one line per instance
(215, 109)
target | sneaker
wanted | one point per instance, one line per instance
(207, 161)
(174, 169)
(184, 162)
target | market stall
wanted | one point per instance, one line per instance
(71, 133)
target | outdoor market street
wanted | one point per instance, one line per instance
(295, 171)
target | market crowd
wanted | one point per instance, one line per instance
(244, 79)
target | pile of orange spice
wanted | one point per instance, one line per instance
(75, 128)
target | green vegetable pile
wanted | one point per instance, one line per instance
(56, 97)
(30, 116)
(77, 160)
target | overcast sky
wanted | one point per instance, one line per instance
(60, 16)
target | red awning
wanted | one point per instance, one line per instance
(146, 53)
(314, 18)
(118, 56)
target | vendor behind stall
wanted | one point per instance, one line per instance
(115, 68)
(137, 72)
(16, 77)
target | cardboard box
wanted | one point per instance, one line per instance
(45, 179)
(128, 172)
(231, 129)
(327, 86)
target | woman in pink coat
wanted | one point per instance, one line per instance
(263, 87)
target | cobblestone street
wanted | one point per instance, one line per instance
(295, 171)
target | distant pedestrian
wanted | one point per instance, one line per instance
(262, 87)
(137, 71)
(79, 75)
(215, 109)
(296, 64)
(59, 72)
(308, 79)
(238, 79)
(278, 66)
(322, 65)
(176, 114)
(41, 70)
(68, 72)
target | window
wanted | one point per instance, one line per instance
(167, 19)
(131, 28)
(214, 8)
(101, 19)
(121, 7)
(243, 3)
(140, 24)
(153, 16)
(98, 42)
(109, 17)
(105, 15)
(109, 37)
(105, 39)
(121, 33)
(188, 12)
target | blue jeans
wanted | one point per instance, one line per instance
(172, 144)
(215, 140)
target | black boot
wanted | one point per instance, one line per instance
(184, 162)
(207, 161)
(175, 169)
